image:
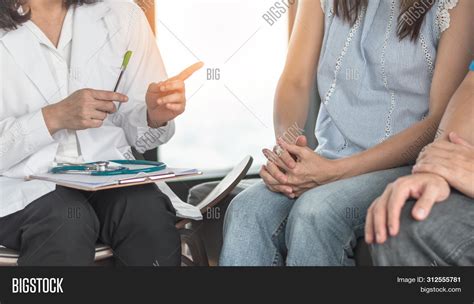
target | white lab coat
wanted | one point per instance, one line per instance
(102, 33)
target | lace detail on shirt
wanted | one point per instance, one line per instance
(331, 10)
(388, 124)
(428, 57)
(339, 60)
(331, 13)
(443, 18)
(343, 147)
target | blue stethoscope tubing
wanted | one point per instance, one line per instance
(89, 168)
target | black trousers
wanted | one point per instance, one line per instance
(63, 227)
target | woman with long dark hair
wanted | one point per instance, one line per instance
(385, 70)
(60, 61)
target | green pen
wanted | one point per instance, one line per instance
(126, 60)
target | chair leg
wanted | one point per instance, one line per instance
(196, 247)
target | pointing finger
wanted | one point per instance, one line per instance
(188, 72)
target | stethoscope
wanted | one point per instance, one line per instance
(106, 168)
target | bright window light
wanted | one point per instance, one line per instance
(230, 101)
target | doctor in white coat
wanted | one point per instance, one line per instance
(59, 62)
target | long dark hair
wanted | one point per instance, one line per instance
(410, 20)
(10, 18)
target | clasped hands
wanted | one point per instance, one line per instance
(294, 168)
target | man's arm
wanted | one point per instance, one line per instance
(451, 156)
(459, 116)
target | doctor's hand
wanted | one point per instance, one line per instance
(166, 100)
(84, 109)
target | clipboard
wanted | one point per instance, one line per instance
(98, 183)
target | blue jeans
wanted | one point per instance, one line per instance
(320, 228)
(445, 238)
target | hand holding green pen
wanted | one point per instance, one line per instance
(86, 108)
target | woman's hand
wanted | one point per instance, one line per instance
(167, 100)
(273, 180)
(82, 110)
(384, 213)
(454, 161)
(298, 168)
(310, 170)
(279, 161)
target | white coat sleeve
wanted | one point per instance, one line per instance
(20, 136)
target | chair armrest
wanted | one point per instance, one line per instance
(226, 186)
(223, 189)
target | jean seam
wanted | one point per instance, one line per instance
(276, 258)
(458, 249)
(274, 236)
(347, 244)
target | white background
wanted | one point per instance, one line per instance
(219, 129)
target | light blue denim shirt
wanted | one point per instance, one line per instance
(372, 85)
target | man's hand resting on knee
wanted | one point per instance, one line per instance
(441, 165)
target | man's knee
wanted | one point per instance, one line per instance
(399, 249)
